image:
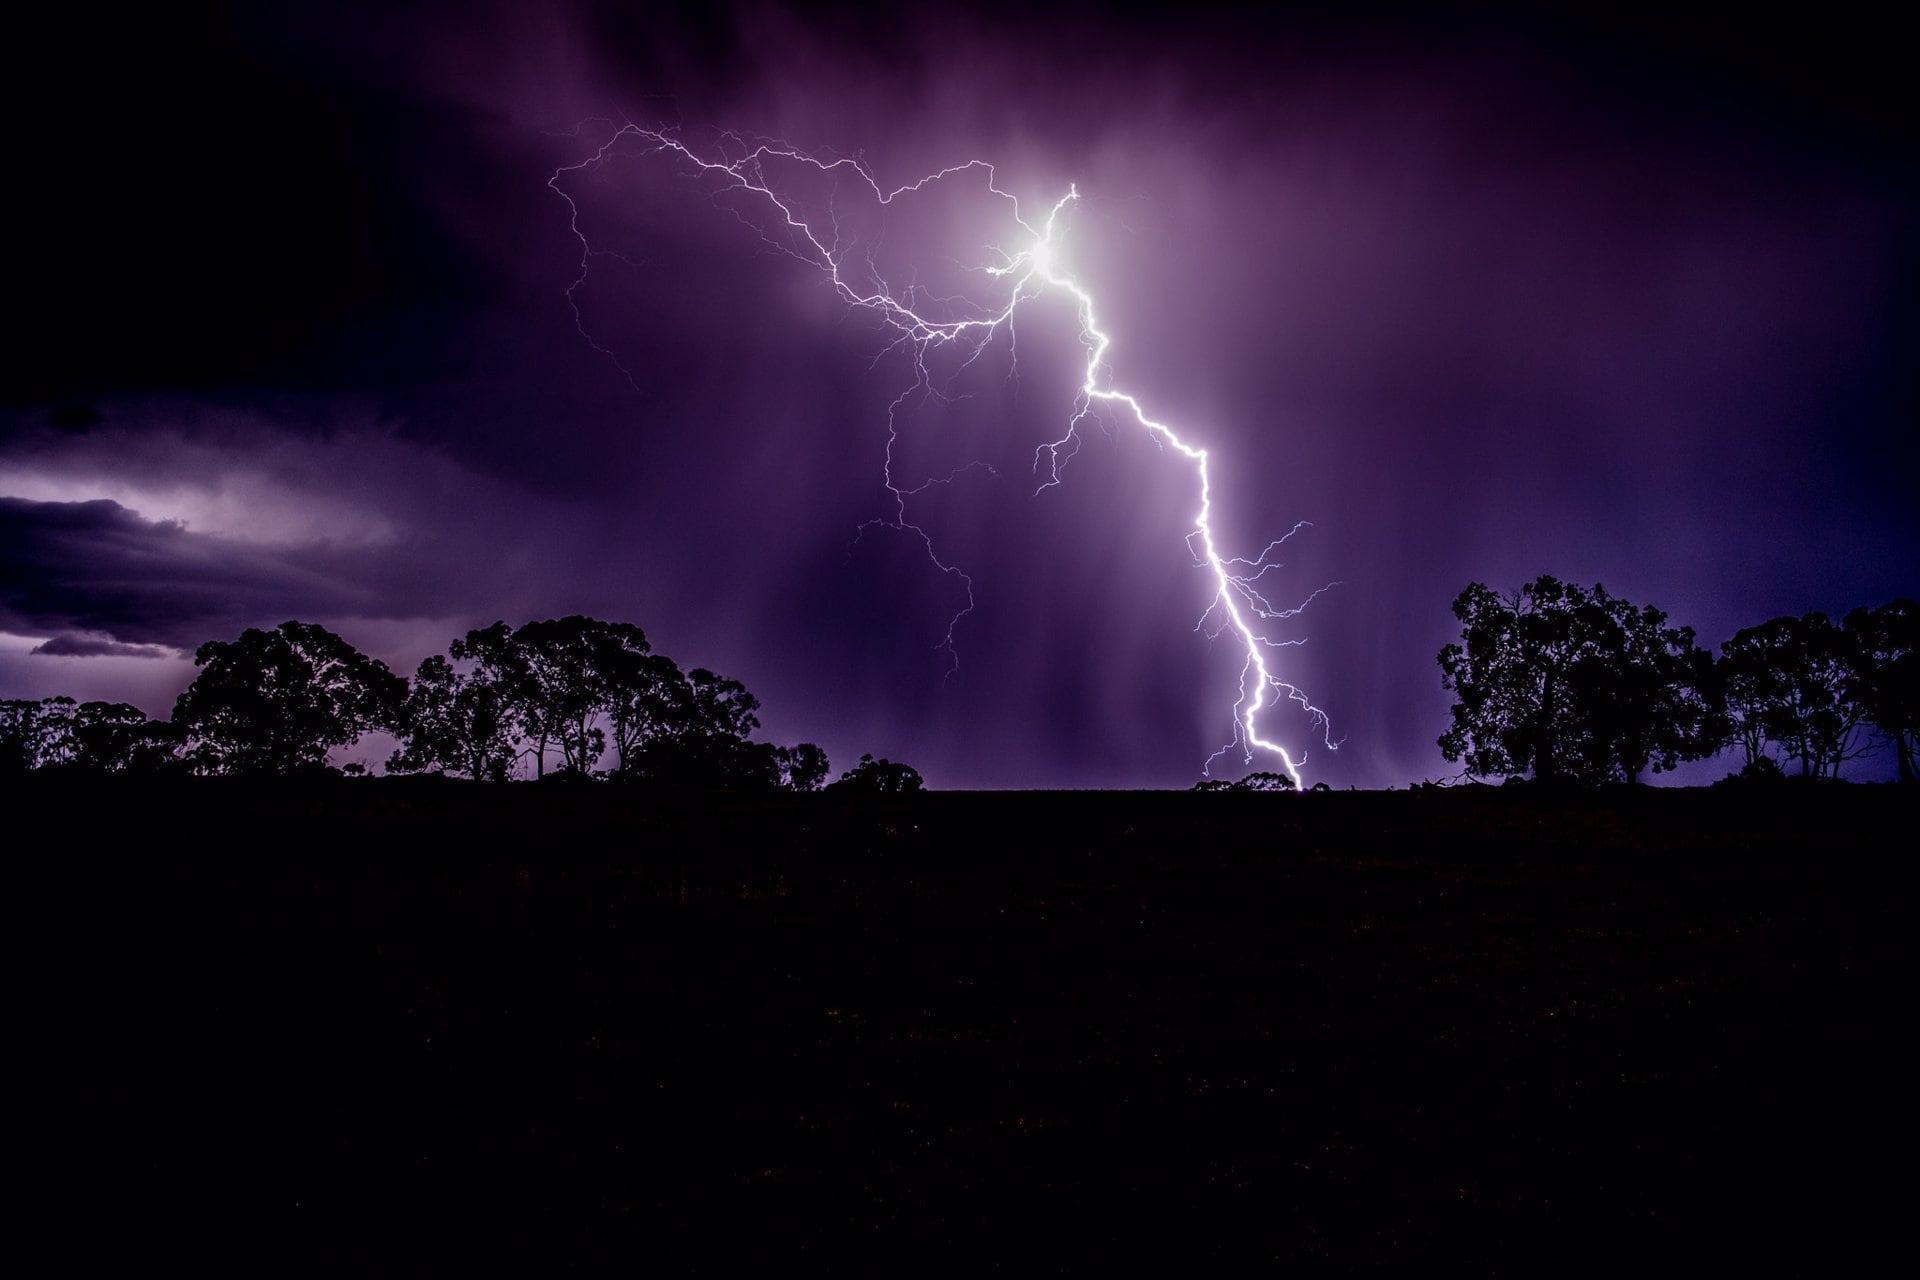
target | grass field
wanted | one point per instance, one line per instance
(1495, 1030)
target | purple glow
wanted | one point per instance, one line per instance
(930, 322)
(1478, 297)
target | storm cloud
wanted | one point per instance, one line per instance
(1479, 293)
(73, 646)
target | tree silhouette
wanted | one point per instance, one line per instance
(803, 767)
(98, 737)
(1750, 681)
(462, 723)
(275, 702)
(53, 739)
(703, 738)
(879, 777)
(17, 734)
(36, 734)
(581, 684)
(1653, 704)
(558, 671)
(1887, 654)
(1795, 683)
(1573, 684)
(722, 708)
(648, 699)
(1260, 781)
(550, 665)
(116, 737)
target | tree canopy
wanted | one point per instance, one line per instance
(272, 703)
(1573, 684)
(91, 737)
(458, 723)
(1562, 682)
(879, 777)
(580, 686)
(1887, 653)
(1798, 684)
(1553, 681)
(275, 702)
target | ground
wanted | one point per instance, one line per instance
(1489, 1029)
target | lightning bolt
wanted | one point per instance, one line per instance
(925, 323)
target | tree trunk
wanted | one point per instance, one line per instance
(1543, 751)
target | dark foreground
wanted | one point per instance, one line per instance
(414, 1021)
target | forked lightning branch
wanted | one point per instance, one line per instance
(1240, 606)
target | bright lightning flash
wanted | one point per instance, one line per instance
(926, 324)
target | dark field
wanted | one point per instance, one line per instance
(412, 1020)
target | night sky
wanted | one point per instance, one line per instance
(1478, 293)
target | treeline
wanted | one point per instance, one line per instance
(592, 696)
(1562, 683)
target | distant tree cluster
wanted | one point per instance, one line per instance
(1252, 782)
(99, 737)
(592, 696)
(1564, 683)
(877, 777)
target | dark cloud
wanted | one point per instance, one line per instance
(208, 519)
(98, 567)
(72, 646)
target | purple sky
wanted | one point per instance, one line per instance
(1481, 295)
